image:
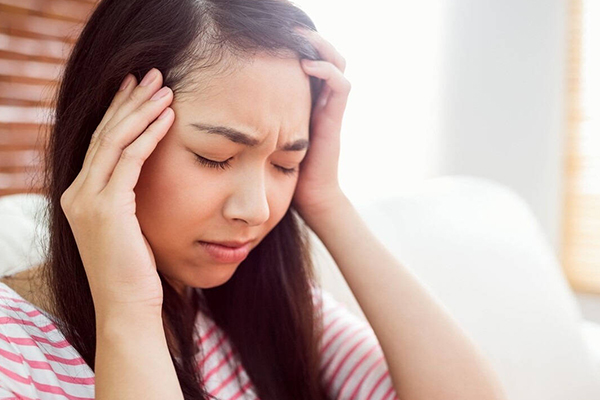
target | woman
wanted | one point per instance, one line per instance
(189, 148)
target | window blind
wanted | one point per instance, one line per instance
(36, 37)
(581, 228)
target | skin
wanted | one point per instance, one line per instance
(180, 201)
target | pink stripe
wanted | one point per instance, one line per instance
(66, 361)
(389, 392)
(241, 391)
(34, 364)
(50, 357)
(11, 356)
(15, 376)
(211, 352)
(349, 377)
(40, 386)
(34, 340)
(329, 311)
(219, 365)
(386, 373)
(379, 361)
(331, 323)
(19, 397)
(330, 358)
(11, 320)
(331, 339)
(226, 381)
(207, 334)
(343, 361)
(32, 314)
(16, 300)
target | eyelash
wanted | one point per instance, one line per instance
(225, 164)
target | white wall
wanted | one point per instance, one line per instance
(392, 49)
(503, 83)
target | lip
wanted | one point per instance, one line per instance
(226, 254)
(233, 244)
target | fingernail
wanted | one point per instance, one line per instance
(161, 93)
(126, 82)
(150, 76)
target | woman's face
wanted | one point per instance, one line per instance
(181, 201)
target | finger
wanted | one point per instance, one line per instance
(325, 48)
(127, 85)
(150, 84)
(127, 171)
(112, 144)
(339, 87)
(322, 100)
(124, 102)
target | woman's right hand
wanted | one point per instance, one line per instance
(100, 204)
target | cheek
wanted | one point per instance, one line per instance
(174, 195)
(280, 197)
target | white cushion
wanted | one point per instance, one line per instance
(23, 232)
(478, 248)
(591, 334)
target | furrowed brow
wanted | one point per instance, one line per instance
(239, 137)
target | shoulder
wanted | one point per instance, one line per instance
(35, 355)
(352, 363)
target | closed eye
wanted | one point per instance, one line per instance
(226, 164)
(213, 164)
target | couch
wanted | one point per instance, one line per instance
(476, 245)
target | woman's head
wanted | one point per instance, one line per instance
(231, 63)
(182, 199)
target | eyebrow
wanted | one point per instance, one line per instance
(239, 137)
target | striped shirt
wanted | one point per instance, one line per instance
(37, 362)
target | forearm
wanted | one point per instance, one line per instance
(133, 361)
(430, 357)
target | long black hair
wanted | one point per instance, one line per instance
(266, 309)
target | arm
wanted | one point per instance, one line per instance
(131, 352)
(430, 357)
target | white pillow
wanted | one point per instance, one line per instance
(23, 232)
(476, 245)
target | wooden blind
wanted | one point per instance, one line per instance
(581, 228)
(36, 37)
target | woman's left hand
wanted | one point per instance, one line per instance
(318, 189)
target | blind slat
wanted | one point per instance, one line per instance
(76, 11)
(39, 27)
(581, 223)
(36, 37)
(34, 48)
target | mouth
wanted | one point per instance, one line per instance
(224, 253)
(232, 243)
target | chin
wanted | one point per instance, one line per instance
(214, 276)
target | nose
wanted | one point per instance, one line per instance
(248, 201)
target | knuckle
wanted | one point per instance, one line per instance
(135, 96)
(106, 141)
(97, 134)
(130, 155)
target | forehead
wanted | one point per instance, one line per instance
(264, 94)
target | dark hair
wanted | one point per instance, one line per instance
(266, 309)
